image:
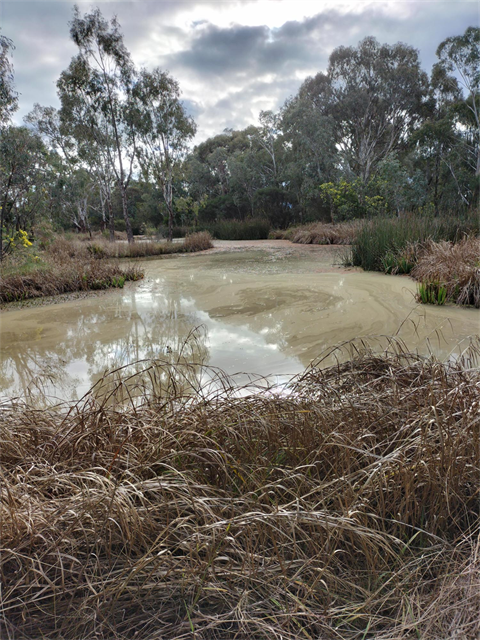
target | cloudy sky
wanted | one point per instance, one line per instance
(232, 58)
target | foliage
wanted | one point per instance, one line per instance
(396, 263)
(432, 293)
(370, 137)
(374, 94)
(22, 180)
(65, 268)
(96, 95)
(8, 95)
(276, 204)
(251, 229)
(164, 131)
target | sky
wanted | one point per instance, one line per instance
(232, 58)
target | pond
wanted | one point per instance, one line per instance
(265, 308)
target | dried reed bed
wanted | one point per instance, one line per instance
(321, 233)
(199, 241)
(65, 268)
(456, 267)
(347, 508)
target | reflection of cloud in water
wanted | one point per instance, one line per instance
(141, 325)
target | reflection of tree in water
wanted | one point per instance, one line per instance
(26, 372)
(104, 339)
(174, 373)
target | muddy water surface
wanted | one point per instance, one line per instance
(264, 308)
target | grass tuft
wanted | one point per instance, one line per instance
(449, 272)
(345, 508)
(380, 238)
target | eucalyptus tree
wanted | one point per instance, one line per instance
(310, 136)
(164, 131)
(375, 94)
(269, 137)
(96, 97)
(79, 153)
(8, 95)
(458, 73)
(439, 146)
(23, 159)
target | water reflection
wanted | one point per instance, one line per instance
(238, 312)
(63, 352)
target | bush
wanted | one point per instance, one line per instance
(199, 241)
(276, 205)
(250, 229)
(218, 208)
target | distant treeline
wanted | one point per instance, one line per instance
(373, 135)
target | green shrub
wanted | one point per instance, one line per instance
(396, 263)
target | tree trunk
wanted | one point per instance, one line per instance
(435, 190)
(126, 217)
(2, 213)
(168, 197)
(170, 222)
(1, 233)
(111, 219)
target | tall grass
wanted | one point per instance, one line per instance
(347, 508)
(380, 237)
(320, 233)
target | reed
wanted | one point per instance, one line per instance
(320, 233)
(382, 237)
(65, 271)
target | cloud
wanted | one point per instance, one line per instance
(231, 59)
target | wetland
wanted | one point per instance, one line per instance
(266, 308)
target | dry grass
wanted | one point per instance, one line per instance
(348, 508)
(199, 241)
(66, 267)
(320, 233)
(454, 267)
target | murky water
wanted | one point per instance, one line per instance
(264, 312)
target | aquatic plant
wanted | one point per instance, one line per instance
(432, 293)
